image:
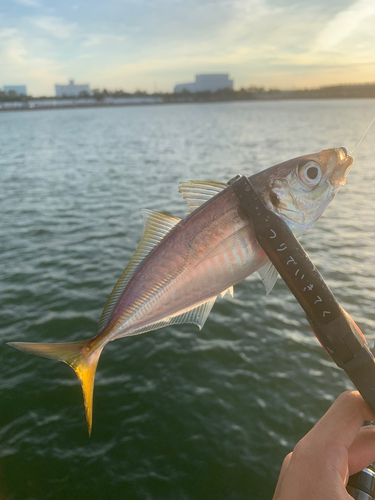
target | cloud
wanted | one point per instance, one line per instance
(55, 26)
(138, 43)
(255, 42)
(344, 24)
(24, 68)
(7, 32)
(28, 3)
(92, 41)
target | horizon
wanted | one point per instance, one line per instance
(350, 84)
(153, 45)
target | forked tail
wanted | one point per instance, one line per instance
(81, 356)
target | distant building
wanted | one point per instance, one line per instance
(71, 90)
(206, 82)
(18, 89)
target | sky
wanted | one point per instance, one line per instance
(152, 45)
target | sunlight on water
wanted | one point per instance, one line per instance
(177, 413)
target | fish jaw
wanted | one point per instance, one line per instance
(340, 173)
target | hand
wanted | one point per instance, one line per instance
(334, 449)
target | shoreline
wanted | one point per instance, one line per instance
(46, 107)
(79, 106)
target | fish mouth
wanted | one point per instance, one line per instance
(345, 161)
(344, 157)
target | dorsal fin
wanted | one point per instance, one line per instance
(198, 192)
(157, 226)
(197, 315)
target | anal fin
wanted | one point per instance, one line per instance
(196, 315)
(227, 291)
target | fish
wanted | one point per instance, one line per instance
(181, 266)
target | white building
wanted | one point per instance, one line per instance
(206, 82)
(71, 90)
(18, 89)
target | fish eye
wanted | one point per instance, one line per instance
(310, 173)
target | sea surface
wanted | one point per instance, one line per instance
(178, 413)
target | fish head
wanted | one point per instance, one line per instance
(299, 190)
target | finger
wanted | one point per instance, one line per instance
(283, 471)
(342, 422)
(285, 465)
(362, 451)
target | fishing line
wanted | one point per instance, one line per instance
(368, 128)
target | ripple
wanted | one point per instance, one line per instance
(178, 413)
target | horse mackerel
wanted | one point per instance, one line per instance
(181, 265)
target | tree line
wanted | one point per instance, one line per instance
(249, 93)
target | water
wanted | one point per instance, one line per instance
(178, 414)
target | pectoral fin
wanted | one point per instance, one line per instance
(269, 276)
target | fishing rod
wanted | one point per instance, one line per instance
(332, 325)
(334, 328)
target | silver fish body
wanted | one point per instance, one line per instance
(202, 256)
(181, 266)
(215, 248)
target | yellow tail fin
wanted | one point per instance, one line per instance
(79, 355)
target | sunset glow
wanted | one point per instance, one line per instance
(152, 45)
